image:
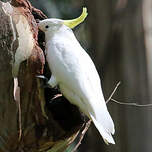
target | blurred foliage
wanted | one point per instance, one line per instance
(65, 8)
(115, 38)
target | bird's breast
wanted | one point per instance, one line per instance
(61, 57)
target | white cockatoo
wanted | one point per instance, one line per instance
(75, 73)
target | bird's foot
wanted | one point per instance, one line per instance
(42, 77)
(45, 81)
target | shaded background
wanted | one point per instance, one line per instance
(117, 35)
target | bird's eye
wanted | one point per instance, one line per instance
(46, 26)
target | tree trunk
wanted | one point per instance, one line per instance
(31, 118)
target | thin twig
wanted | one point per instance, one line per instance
(20, 121)
(113, 92)
(82, 135)
(131, 104)
(125, 103)
(17, 100)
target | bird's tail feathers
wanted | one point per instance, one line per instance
(107, 137)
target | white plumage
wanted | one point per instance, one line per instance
(73, 70)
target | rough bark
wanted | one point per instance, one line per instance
(31, 118)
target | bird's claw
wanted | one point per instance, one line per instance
(42, 77)
(45, 84)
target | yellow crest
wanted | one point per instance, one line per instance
(73, 23)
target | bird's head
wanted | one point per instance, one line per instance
(54, 24)
(50, 24)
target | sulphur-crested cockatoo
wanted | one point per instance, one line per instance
(75, 73)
